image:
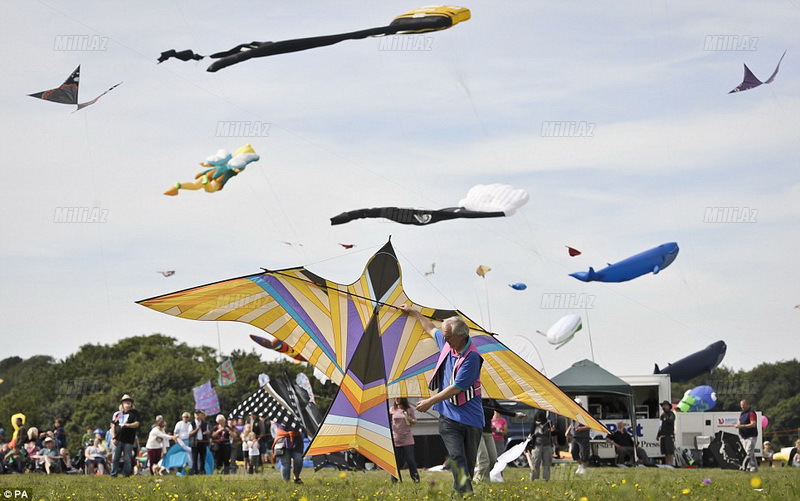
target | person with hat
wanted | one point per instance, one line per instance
(49, 456)
(124, 426)
(666, 432)
(198, 440)
(767, 453)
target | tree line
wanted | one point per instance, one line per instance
(772, 388)
(158, 372)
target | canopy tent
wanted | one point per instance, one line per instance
(588, 378)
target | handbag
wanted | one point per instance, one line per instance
(279, 448)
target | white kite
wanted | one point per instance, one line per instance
(563, 330)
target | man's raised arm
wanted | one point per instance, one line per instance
(425, 321)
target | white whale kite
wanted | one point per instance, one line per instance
(563, 330)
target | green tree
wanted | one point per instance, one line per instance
(157, 371)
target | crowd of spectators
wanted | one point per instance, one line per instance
(128, 446)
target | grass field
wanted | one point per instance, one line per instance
(598, 484)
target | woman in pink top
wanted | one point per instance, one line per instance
(403, 418)
(499, 432)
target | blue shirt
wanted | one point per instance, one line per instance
(471, 413)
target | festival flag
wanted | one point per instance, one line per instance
(205, 398)
(227, 375)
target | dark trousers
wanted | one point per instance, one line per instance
(222, 457)
(296, 467)
(406, 453)
(462, 442)
(125, 451)
(199, 458)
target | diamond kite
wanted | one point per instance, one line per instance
(421, 20)
(67, 93)
(357, 335)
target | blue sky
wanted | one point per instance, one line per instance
(353, 126)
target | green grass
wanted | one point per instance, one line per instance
(598, 484)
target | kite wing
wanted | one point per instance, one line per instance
(358, 337)
(67, 93)
(87, 103)
(774, 73)
(750, 81)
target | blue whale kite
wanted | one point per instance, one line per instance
(655, 260)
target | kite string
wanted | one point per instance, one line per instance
(99, 226)
(480, 306)
(442, 294)
(588, 330)
(219, 344)
(349, 253)
(488, 310)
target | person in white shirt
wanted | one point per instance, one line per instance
(182, 427)
(254, 453)
(157, 443)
